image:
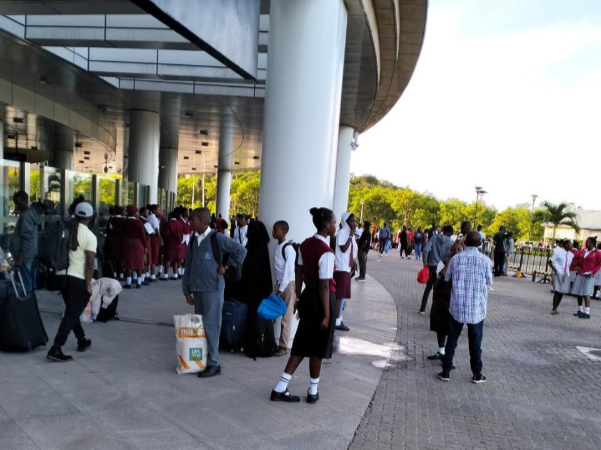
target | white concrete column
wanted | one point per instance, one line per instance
(302, 111)
(343, 169)
(62, 151)
(144, 136)
(167, 169)
(224, 167)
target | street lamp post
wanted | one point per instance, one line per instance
(534, 197)
(479, 193)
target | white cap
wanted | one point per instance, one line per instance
(84, 210)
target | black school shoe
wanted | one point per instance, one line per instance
(312, 399)
(342, 327)
(210, 371)
(478, 379)
(84, 344)
(444, 375)
(285, 396)
(127, 286)
(436, 356)
(56, 354)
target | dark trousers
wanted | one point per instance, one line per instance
(382, 245)
(76, 297)
(429, 285)
(362, 257)
(404, 248)
(499, 262)
(475, 333)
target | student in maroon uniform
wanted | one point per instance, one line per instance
(134, 248)
(114, 241)
(149, 230)
(162, 226)
(588, 263)
(316, 307)
(183, 218)
(172, 241)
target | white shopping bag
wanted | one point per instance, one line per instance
(190, 343)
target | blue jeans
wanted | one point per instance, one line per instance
(475, 332)
(418, 250)
(27, 275)
(210, 305)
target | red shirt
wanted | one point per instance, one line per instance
(592, 263)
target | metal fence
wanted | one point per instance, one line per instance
(528, 260)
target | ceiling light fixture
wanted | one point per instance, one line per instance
(78, 145)
(204, 132)
(205, 144)
(255, 157)
(18, 119)
(198, 152)
(189, 114)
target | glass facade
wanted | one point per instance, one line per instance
(52, 190)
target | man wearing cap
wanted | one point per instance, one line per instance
(134, 248)
(77, 288)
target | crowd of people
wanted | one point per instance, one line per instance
(313, 278)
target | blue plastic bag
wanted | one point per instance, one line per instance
(272, 307)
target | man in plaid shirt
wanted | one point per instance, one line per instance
(471, 273)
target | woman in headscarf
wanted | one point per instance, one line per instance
(440, 317)
(256, 283)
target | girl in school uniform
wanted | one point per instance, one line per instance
(172, 238)
(316, 307)
(588, 263)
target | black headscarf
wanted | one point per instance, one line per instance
(256, 283)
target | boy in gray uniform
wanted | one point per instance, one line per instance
(203, 283)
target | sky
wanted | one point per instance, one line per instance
(506, 95)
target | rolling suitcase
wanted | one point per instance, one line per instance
(21, 327)
(233, 324)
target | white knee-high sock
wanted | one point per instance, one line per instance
(128, 280)
(283, 383)
(313, 385)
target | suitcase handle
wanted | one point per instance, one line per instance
(12, 279)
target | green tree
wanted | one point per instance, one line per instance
(559, 215)
(245, 193)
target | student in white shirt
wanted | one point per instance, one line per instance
(285, 287)
(346, 252)
(77, 288)
(560, 263)
(241, 230)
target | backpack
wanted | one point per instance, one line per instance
(109, 313)
(54, 247)
(295, 246)
(261, 339)
(231, 273)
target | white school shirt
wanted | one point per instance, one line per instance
(326, 262)
(562, 260)
(343, 259)
(284, 267)
(153, 221)
(201, 237)
(240, 235)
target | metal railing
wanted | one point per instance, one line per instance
(527, 260)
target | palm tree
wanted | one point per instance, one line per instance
(560, 215)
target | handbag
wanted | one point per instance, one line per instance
(272, 307)
(423, 275)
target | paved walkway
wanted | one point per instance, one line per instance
(541, 393)
(124, 393)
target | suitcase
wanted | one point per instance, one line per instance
(233, 324)
(21, 327)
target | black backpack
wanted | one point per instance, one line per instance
(53, 251)
(295, 246)
(108, 313)
(261, 339)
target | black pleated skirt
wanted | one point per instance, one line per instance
(310, 340)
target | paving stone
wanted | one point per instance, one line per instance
(541, 392)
